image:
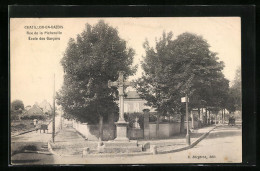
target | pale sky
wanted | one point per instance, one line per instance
(34, 62)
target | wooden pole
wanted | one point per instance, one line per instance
(53, 121)
(187, 120)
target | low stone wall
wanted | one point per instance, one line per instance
(91, 132)
(108, 132)
(174, 128)
(166, 130)
(135, 134)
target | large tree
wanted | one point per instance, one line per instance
(236, 89)
(17, 104)
(235, 95)
(178, 67)
(89, 62)
(17, 108)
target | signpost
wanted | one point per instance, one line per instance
(183, 99)
(186, 99)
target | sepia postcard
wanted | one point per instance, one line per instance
(125, 90)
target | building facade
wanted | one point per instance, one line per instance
(134, 103)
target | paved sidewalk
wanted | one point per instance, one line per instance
(178, 141)
(222, 145)
(32, 136)
(68, 142)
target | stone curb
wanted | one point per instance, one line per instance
(21, 133)
(54, 153)
(28, 132)
(39, 152)
(83, 136)
(98, 155)
(189, 146)
(137, 154)
(25, 132)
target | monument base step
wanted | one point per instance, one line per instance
(121, 149)
(121, 144)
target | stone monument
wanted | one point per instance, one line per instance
(121, 143)
(121, 124)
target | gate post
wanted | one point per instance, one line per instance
(146, 124)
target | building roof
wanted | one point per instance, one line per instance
(132, 95)
(34, 110)
(27, 108)
(45, 106)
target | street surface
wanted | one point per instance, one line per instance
(37, 136)
(35, 139)
(222, 145)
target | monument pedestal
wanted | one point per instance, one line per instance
(121, 144)
(121, 131)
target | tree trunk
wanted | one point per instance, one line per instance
(209, 118)
(202, 112)
(206, 117)
(157, 126)
(199, 113)
(222, 115)
(192, 119)
(182, 123)
(201, 118)
(216, 118)
(100, 128)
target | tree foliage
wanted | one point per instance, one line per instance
(234, 99)
(178, 67)
(17, 104)
(89, 62)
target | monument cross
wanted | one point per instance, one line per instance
(120, 84)
(121, 124)
(121, 143)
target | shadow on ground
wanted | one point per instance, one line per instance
(32, 159)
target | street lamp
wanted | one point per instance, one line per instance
(185, 99)
(188, 86)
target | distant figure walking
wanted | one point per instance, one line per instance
(37, 127)
(231, 121)
(35, 122)
(41, 126)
